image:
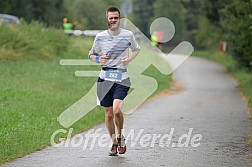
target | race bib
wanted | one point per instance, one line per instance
(113, 75)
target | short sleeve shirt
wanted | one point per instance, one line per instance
(115, 47)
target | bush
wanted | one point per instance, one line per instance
(31, 40)
(236, 22)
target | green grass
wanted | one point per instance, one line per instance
(32, 95)
(222, 58)
(35, 89)
(163, 80)
(243, 77)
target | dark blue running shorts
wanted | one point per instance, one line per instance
(107, 91)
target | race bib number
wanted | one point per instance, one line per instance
(113, 75)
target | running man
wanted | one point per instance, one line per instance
(111, 50)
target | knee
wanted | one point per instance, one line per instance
(117, 112)
(109, 115)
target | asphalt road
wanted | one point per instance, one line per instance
(205, 123)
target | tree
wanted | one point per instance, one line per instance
(174, 11)
(46, 11)
(90, 14)
(192, 14)
(230, 20)
(236, 20)
(142, 14)
(211, 9)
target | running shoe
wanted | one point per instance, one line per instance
(121, 145)
(113, 151)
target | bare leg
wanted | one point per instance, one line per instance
(117, 105)
(110, 123)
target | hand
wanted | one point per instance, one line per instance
(103, 59)
(125, 60)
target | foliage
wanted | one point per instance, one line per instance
(207, 36)
(236, 22)
(192, 14)
(142, 13)
(211, 9)
(229, 21)
(203, 23)
(89, 14)
(31, 40)
(173, 10)
(46, 11)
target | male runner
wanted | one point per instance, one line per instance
(111, 49)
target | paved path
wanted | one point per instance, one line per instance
(209, 103)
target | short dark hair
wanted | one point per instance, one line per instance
(113, 9)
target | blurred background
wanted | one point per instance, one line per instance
(206, 24)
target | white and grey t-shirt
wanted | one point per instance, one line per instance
(115, 47)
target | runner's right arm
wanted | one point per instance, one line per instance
(101, 59)
(94, 53)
